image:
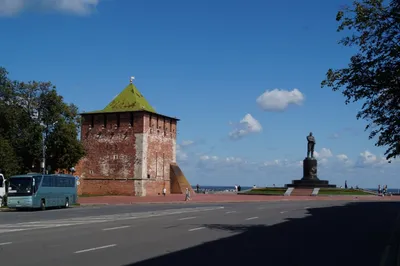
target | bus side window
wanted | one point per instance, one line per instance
(1, 181)
(53, 181)
(46, 181)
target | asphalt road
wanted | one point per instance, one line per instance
(271, 233)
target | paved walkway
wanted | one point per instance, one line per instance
(215, 198)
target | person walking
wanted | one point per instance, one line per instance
(187, 195)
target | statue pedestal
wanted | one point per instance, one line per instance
(310, 178)
(310, 169)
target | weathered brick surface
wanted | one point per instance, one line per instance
(155, 187)
(135, 146)
(106, 187)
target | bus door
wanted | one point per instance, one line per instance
(2, 189)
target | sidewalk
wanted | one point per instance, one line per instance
(217, 198)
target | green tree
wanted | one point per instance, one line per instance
(30, 111)
(9, 163)
(373, 74)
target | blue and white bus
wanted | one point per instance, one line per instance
(35, 190)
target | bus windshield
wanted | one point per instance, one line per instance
(21, 186)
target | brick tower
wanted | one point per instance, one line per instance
(129, 148)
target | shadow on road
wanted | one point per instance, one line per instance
(354, 234)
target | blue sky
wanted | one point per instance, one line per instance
(242, 75)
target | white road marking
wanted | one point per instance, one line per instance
(306, 207)
(284, 212)
(187, 218)
(7, 228)
(195, 229)
(6, 243)
(116, 228)
(93, 249)
(251, 218)
(230, 212)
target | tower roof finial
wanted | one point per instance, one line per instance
(132, 78)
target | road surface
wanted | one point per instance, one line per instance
(269, 233)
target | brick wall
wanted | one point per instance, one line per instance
(106, 187)
(155, 187)
(109, 141)
(161, 142)
(126, 146)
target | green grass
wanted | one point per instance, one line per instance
(341, 191)
(266, 191)
(273, 191)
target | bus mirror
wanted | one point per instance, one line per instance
(33, 182)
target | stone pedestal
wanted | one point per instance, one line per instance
(310, 177)
(310, 169)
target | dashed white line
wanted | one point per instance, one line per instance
(6, 243)
(187, 218)
(251, 218)
(230, 212)
(93, 249)
(7, 228)
(306, 207)
(195, 229)
(283, 211)
(116, 228)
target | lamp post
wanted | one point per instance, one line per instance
(43, 164)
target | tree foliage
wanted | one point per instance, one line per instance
(30, 112)
(373, 74)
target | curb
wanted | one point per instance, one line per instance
(197, 202)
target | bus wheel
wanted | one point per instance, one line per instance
(66, 203)
(43, 205)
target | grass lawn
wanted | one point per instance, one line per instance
(322, 192)
(342, 191)
(266, 191)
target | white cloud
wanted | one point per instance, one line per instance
(226, 170)
(187, 142)
(342, 157)
(367, 158)
(284, 163)
(279, 100)
(247, 125)
(206, 158)
(180, 154)
(80, 7)
(323, 154)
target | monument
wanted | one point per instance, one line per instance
(310, 174)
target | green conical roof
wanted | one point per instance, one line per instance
(130, 99)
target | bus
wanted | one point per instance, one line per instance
(36, 190)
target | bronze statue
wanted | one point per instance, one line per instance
(310, 145)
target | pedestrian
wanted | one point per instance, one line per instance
(187, 195)
(164, 191)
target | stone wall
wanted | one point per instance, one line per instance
(106, 187)
(136, 147)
